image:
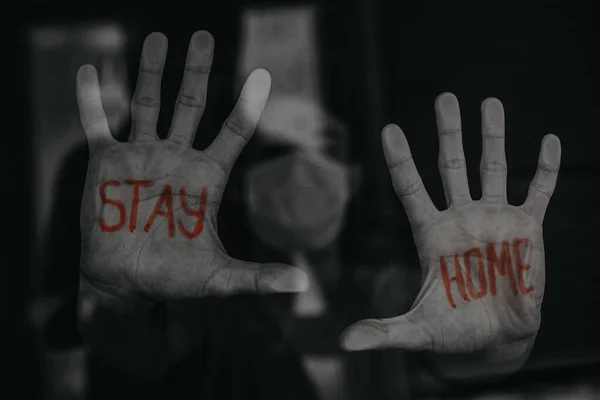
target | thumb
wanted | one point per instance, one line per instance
(237, 277)
(397, 332)
(226, 277)
(248, 277)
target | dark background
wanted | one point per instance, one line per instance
(381, 62)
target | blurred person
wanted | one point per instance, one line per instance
(152, 272)
(62, 151)
(297, 195)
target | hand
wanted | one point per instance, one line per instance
(149, 211)
(482, 260)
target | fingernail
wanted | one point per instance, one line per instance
(446, 99)
(395, 146)
(156, 42)
(290, 280)
(393, 137)
(552, 150)
(259, 84)
(88, 71)
(493, 106)
(202, 40)
(362, 337)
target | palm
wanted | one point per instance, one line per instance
(482, 260)
(498, 317)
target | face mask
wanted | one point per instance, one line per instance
(297, 202)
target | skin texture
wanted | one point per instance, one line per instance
(494, 329)
(136, 283)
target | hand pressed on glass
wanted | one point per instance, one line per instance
(149, 211)
(482, 260)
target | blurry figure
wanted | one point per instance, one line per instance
(283, 40)
(297, 193)
(297, 204)
(61, 155)
(297, 198)
(295, 121)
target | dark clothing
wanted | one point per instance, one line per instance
(251, 350)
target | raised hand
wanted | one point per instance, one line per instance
(482, 260)
(149, 211)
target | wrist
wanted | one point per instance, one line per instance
(94, 294)
(127, 337)
(493, 363)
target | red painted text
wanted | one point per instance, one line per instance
(162, 208)
(508, 264)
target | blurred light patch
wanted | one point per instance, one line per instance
(49, 37)
(293, 120)
(105, 37)
(283, 41)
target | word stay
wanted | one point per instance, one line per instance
(162, 208)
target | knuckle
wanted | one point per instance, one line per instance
(544, 190)
(408, 188)
(237, 128)
(151, 70)
(453, 163)
(547, 168)
(493, 198)
(146, 101)
(190, 101)
(492, 131)
(398, 164)
(97, 119)
(197, 69)
(493, 166)
(450, 131)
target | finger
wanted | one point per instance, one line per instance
(145, 105)
(397, 332)
(247, 277)
(544, 181)
(192, 94)
(405, 177)
(451, 155)
(242, 121)
(493, 158)
(91, 112)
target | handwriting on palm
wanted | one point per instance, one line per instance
(144, 245)
(482, 260)
(150, 206)
(470, 316)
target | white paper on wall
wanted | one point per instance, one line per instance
(283, 41)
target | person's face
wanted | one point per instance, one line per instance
(297, 198)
